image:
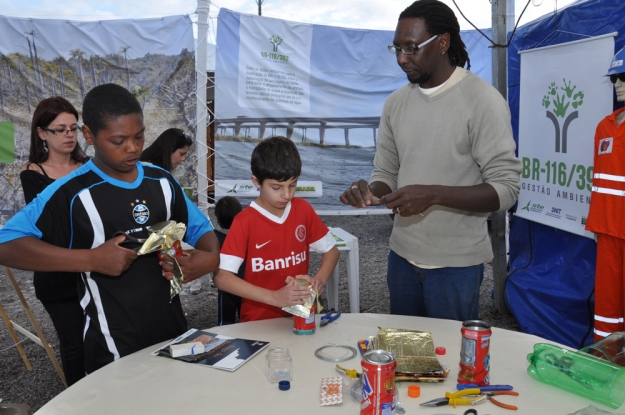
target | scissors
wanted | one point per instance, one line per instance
(458, 398)
(565, 365)
(130, 242)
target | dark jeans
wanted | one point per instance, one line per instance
(68, 319)
(451, 293)
(229, 307)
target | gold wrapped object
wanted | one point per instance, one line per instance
(163, 236)
(303, 310)
(414, 351)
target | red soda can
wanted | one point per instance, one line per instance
(378, 383)
(474, 355)
(305, 326)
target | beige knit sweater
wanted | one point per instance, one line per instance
(459, 137)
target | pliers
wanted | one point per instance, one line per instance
(463, 397)
(329, 317)
(490, 395)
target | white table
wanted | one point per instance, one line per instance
(145, 384)
(349, 244)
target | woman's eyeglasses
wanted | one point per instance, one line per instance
(62, 131)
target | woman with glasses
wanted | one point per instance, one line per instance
(54, 153)
(169, 149)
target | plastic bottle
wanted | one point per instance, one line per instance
(279, 365)
(579, 373)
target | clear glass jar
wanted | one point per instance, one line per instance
(279, 365)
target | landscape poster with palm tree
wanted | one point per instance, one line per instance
(40, 58)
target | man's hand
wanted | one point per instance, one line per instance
(112, 259)
(359, 195)
(410, 200)
(192, 263)
(290, 294)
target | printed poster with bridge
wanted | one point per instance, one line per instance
(321, 86)
(564, 95)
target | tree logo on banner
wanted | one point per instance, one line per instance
(276, 41)
(569, 99)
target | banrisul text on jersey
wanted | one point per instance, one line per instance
(261, 264)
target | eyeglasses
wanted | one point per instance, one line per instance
(619, 76)
(409, 50)
(62, 130)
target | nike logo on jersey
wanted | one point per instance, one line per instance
(261, 245)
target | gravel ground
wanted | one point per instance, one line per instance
(18, 385)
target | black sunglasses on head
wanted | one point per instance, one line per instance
(619, 76)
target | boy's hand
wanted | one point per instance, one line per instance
(316, 284)
(192, 263)
(290, 295)
(112, 259)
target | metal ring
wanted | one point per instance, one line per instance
(319, 353)
(398, 211)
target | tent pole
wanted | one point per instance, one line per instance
(500, 11)
(201, 111)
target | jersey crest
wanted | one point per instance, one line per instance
(140, 212)
(300, 233)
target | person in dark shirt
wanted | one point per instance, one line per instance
(74, 225)
(54, 153)
(229, 304)
(169, 149)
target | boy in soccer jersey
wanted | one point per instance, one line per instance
(70, 227)
(273, 236)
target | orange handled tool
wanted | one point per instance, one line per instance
(490, 395)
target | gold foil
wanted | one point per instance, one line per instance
(162, 238)
(414, 351)
(303, 310)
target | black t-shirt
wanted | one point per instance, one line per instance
(86, 208)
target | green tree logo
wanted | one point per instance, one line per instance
(276, 40)
(561, 104)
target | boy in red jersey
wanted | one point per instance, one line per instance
(273, 236)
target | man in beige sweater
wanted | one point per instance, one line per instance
(445, 158)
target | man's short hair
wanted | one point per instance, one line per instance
(276, 158)
(439, 18)
(226, 209)
(107, 102)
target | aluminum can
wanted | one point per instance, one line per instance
(475, 354)
(305, 326)
(378, 383)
